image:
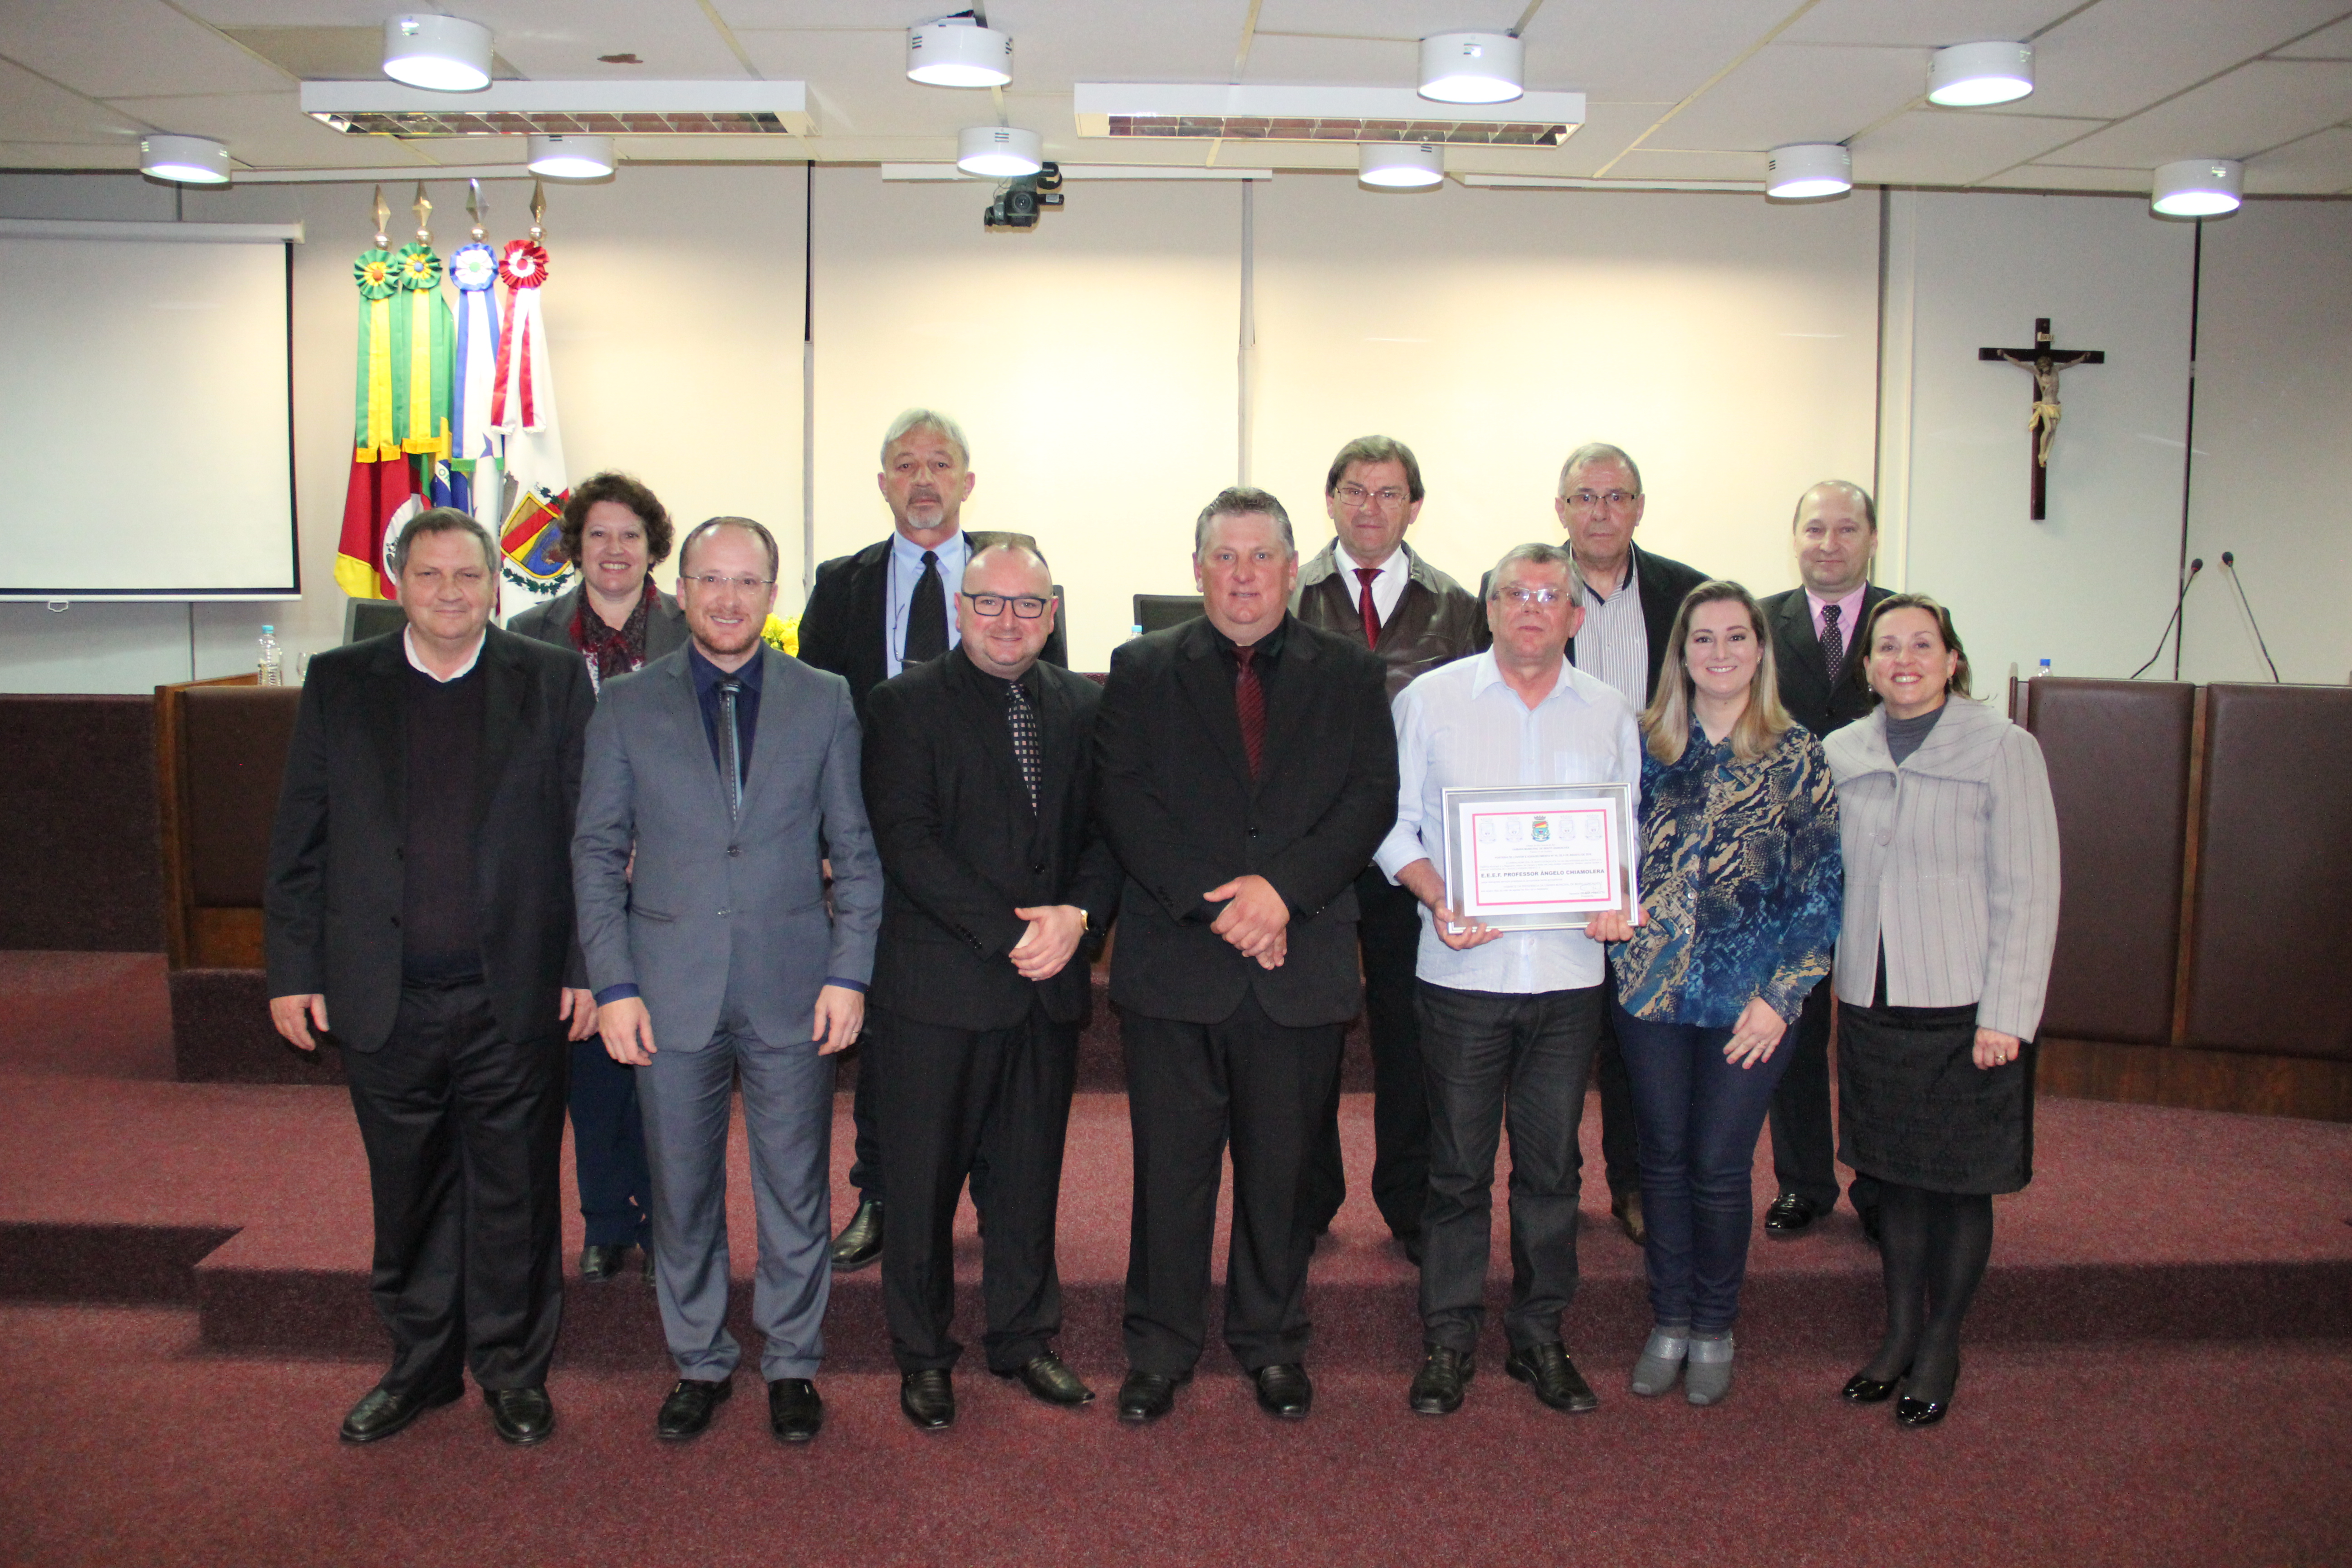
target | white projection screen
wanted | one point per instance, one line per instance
(146, 416)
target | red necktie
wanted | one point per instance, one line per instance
(1249, 705)
(1365, 574)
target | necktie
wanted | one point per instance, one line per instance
(1024, 738)
(730, 748)
(1249, 705)
(1833, 643)
(927, 617)
(1365, 574)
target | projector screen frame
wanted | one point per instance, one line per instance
(285, 236)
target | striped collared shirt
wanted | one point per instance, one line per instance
(1613, 644)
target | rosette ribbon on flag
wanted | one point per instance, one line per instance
(522, 412)
(384, 488)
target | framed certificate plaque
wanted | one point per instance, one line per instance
(1540, 857)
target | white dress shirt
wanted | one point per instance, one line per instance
(1387, 588)
(408, 645)
(1462, 726)
(905, 571)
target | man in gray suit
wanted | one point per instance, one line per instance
(734, 772)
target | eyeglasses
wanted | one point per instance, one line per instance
(712, 582)
(1519, 595)
(1615, 501)
(1028, 607)
(1356, 495)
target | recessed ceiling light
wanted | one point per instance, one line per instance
(2198, 187)
(1471, 67)
(959, 52)
(188, 160)
(1969, 76)
(1400, 165)
(1000, 152)
(572, 157)
(442, 53)
(1808, 171)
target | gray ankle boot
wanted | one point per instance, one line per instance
(1662, 1360)
(1707, 1377)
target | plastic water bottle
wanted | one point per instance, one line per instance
(2043, 669)
(269, 660)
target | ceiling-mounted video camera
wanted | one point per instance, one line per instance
(1017, 200)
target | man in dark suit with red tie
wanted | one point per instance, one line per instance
(1248, 771)
(1815, 630)
(979, 776)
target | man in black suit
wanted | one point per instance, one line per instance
(980, 786)
(1248, 771)
(870, 615)
(1629, 600)
(1815, 630)
(418, 914)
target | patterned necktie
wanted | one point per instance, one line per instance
(1024, 716)
(927, 616)
(1833, 644)
(1249, 705)
(730, 748)
(1365, 574)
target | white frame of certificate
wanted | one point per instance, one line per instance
(1560, 895)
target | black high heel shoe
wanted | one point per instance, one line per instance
(1910, 1412)
(1861, 1389)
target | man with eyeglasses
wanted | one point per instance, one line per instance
(1369, 584)
(733, 772)
(978, 773)
(1509, 1020)
(1629, 600)
(870, 615)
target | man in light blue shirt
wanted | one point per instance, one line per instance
(1509, 1020)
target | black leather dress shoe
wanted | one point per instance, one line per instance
(929, 1398)
(795, 1414)
(381, 1413)
(1789, 1216)
(860, 1241)
(1437, 1386)
(1627, 1207)
(688, 1412)
(603, 1262)
(1282, 1390)
(1863, 1389)
(521, 1415)
(1147, 1396)
(1547, 1369)
(1052, 1381)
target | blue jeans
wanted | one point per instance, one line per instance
(1699, 1117)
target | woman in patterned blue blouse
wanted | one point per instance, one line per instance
(1742, 888)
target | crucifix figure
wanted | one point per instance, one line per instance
(2041, 423)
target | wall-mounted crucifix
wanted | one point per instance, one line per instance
(2045, 362)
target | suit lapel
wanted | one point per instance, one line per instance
(869, 613)
(506, 694)
(1797, 616)
(693, 743)
(978, 706)
(383, 717)
(1286, 714)
(776, 718)
(1201, 672)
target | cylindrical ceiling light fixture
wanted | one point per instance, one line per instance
(442, 53)
(1969, 76)
(1000, 152)
(1808, 171)
(2199, 187)
(185, 160)
(1471, 67)
(959, 54)
(570, 156)
(1400, 165)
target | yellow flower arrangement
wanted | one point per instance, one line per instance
(782, 635)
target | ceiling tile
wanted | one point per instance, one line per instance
(1954, 147)
(1607, 130)
(2316, 166)
(1660, 50)
(2057, 178)
(2327, 44)
(1798, 93)
(269, 131)
(1341, 62)
(1929, 23)
(114, 48)
(70, 156)
(673, 39)
(2253, 107)
(857, 86)
(1677, 164)
(2120, 56)
(34, 111)
(1414, 19)
(1058, 42)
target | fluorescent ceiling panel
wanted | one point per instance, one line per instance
(596, 108)
(1350, 115)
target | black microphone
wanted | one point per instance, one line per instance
(2195, 566)
(2230, 564)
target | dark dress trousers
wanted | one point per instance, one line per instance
(608, 1137)
(457, 1079)
(845, 628)
(1219, 1047)
(1803, 1147)
(979, 1063)
(1436, 622)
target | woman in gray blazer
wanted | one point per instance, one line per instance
(1951, 909)
(616, 531)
